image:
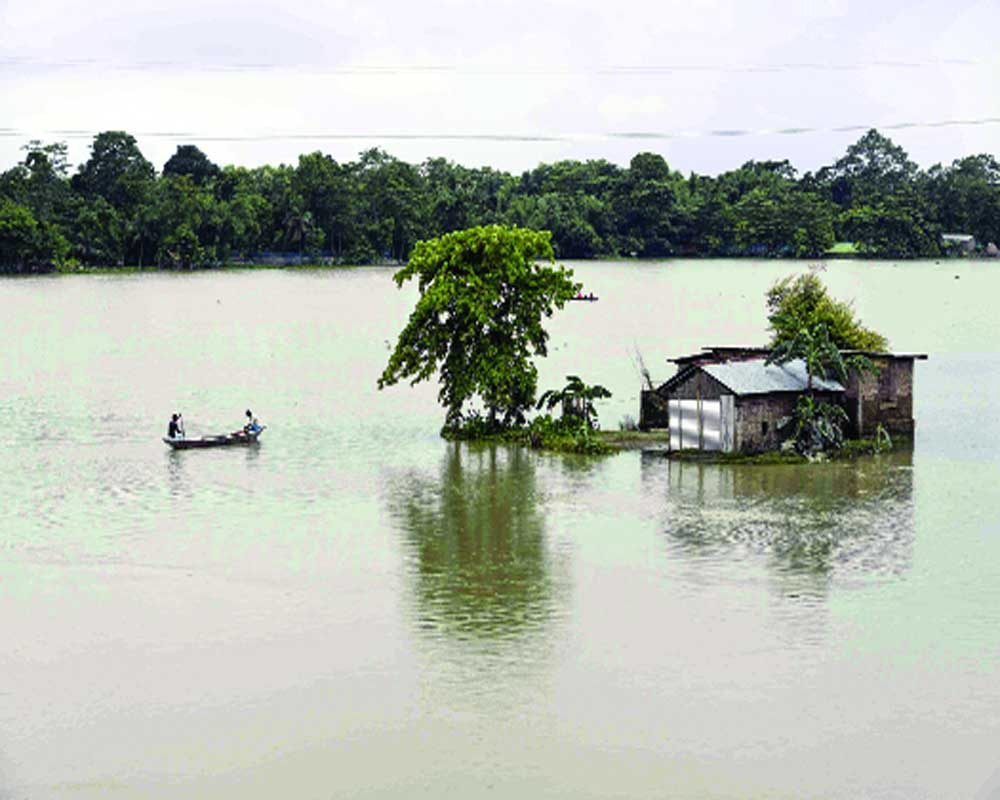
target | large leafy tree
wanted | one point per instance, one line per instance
(783, 222)
(27, 245)
(478, 321)
(244, 212)
(188, 221)
(327, 200)
(190, 161)
(644, 201)
(873, 168)
(802, 303)
(895, 228)
(394, 197)
(116, 171)
(47, 186)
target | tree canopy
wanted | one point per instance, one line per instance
(114, 210)
(797, 304)
(190, 161)
(478, 320)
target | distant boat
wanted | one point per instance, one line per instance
(586, 298)
(222, 440)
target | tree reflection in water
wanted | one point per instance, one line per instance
(477, 539)
(838, 520)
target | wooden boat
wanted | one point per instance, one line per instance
(586, 299)
(222, 440)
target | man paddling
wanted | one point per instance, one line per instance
(175, 428)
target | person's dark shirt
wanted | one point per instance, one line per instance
(172, 429)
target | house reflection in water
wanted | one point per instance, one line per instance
(838, 521)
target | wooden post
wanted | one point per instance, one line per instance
(701, 419)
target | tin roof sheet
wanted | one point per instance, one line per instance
(756, 377)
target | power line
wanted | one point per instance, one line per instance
(464, 70)
(277, 136)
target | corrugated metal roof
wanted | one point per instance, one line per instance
(756, 377)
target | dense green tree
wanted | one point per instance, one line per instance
(115, 210)
(810, 326)
(27, 245)
(116, 171)
(801, 303)
(97, 233)
(478, 320)
(966, 197)
(244, 213)
(393, 210)
(898, 227)
(47, 187)
(459, 198)
(872, 169)
(190, 161)
(783, 222)
(643, 201)
(328, 197)
(187, 221)
(594, 178)
(573, 221)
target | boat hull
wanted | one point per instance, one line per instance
(223, 440)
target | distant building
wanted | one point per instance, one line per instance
(961, 242)
(729, 399)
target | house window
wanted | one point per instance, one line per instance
(763, 428)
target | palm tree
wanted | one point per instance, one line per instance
(576, 398)
(818, 426)
(821, 356)
(298, 224)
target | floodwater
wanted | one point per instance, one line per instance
(356, 608)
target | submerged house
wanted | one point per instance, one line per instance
(729, 399)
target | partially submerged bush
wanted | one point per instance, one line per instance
(568, 434)
(816, 427)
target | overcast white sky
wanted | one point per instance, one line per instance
(505, 83)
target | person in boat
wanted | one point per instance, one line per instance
(175, 428)
(253, 424)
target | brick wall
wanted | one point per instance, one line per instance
(885, 398)
(757, 418)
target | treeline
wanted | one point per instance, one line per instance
(116, 210)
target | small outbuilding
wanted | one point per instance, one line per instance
(964, 243)
(730, 399)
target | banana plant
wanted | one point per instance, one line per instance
(577, 400)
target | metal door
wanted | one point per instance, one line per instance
(711, 425)
(695, 424)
